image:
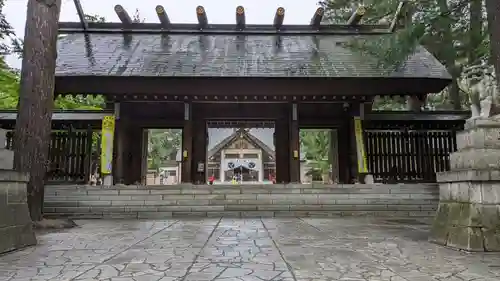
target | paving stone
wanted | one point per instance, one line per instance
(246, 249)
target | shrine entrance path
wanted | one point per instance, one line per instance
(279, 249)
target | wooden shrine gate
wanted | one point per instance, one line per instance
(72, 154)
(399, 146)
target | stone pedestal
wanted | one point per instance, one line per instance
(16, 229)
(468, 217)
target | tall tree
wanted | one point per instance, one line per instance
(493, 12)
(443, 27)
(6, 33)
(33, 125)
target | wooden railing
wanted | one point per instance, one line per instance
(408, 155)
(69, 156)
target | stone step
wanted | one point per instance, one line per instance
(102, 192)
(202, 208)
(245, 186)
(254, 189)
(276, 201)
(229, 200)
(165, 215)
(100, 203)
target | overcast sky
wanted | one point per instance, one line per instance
(180, 11)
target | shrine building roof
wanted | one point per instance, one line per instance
(165, 49)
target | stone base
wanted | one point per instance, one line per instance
(6, 159)
(16, 230)
(468, 216)
(467, 226)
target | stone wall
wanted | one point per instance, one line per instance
(241, 200)
(15, 223)
(468, 217)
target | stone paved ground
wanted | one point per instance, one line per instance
(246, 250)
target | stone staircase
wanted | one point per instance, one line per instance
(399, 200)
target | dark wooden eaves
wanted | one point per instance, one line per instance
(418, 116)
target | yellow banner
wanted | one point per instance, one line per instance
(107, 138)
(360, 146)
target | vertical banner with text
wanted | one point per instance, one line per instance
(360, 146)
(107, 138)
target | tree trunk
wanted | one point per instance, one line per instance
(475, 30)
(413, 103)
(33, 125)
(449, 54)
(493, 10)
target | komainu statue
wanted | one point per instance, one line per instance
(469, 192)
(479, 81)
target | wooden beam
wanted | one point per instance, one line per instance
(356, 16)
(81, 14)
(162, 16)
(187, 145)
(223, 29)
(236, 88)
(318, 16)
(294, 143)
(202, 17)
(397, 17)
(240, 17)
(279, 17)
(123, 15)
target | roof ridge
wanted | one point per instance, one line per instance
(191, 28)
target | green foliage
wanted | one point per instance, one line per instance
(452, 30)
(10, 79)
(9, 94)
(389, 57)
(163, 145)
(95, 18)
(9, 87)
(315, 144)
(7, 34)
(137, 17)
(80, 102)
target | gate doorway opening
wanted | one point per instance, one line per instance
(240, 152)
(319, 155)
(164, 156)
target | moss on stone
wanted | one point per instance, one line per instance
(491, 239)
(465, 238)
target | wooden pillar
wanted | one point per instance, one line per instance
(333, 155)
(344, 148)
(119, 146)
(358, 157)
(133, 155)
(347, 144)
(294, 144)
(187, 145)
(144, 155)
(88, 154)
(282, 147)
(199, 147)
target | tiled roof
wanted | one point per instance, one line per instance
(227, 55)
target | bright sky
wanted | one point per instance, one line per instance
(180, 11)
